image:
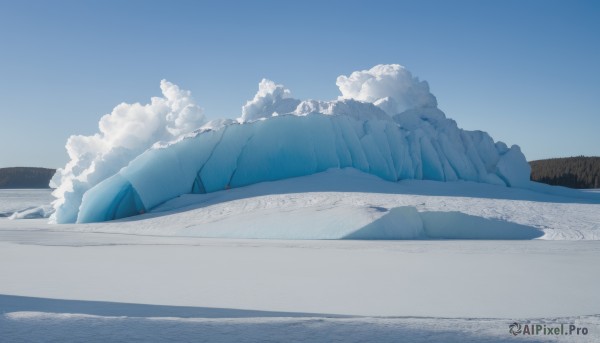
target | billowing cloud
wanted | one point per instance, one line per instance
(389, 86)
(123, 134)
(271, 99)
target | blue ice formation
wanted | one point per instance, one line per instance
(419, 143)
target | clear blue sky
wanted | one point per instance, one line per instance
(527, 72)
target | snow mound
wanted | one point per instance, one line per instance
(348, 204)
(407, 223)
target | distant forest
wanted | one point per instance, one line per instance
(25, 177)
(573, 172)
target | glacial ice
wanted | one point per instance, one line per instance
(385, 123)
(416, 144)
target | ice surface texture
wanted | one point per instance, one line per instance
(417, 144)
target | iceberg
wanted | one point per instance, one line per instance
(418, 144)
(385, 123)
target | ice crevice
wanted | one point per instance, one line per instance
(198, 185)
(243, 150)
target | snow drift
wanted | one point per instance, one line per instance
(386, 123)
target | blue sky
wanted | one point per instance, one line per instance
(527, 72)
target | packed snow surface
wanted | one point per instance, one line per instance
(64, 285)
(159, 277)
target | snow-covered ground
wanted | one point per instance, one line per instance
(346, 203)
(12, 200)
(166, 276)
(373, 278)
(151, 288)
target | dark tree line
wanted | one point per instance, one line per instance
(25, 177)
(573, 172)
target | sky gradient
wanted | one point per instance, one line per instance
(527, 72)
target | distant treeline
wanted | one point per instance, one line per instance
(25, 177)
(573, 172)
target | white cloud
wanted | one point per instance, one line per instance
(270, 99)
(389, 86)
(123, 134)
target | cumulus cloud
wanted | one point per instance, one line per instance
(123, 134)
(271, 99)
(389, 86)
